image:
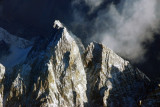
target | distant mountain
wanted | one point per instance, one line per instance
(13, 49)
(58, 71)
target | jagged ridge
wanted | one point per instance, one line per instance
(60, 72)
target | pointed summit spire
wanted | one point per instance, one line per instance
(57, 24)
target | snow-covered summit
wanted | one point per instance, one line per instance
(57, 24)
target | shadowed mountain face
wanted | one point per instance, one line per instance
(58, 71)
(4, 47)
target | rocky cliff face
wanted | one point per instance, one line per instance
(112, 80)
(59, 72)
(2, 72)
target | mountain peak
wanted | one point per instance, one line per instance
(60, 72)
(57, 24)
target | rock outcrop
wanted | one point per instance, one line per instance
(59, 72)
(112, 81)
(2, 72)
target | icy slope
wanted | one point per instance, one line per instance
(18, 49)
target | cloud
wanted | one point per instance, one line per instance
(91, 3)
(123, 27)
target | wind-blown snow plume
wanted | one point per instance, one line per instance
(123, 26)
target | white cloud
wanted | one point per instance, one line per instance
(124, 27)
